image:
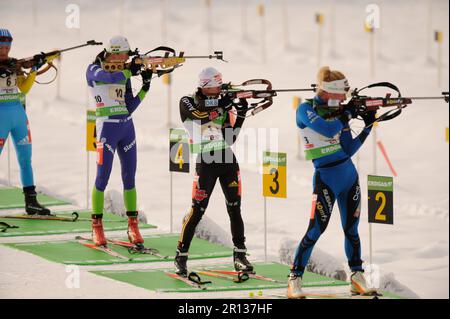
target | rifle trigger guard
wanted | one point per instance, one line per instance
(49, 66)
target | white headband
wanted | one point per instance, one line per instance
(336, 87)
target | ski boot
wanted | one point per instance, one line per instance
(240, 260)
(98, 236)
(294, 290)
(32, 206)
(359, 285)
(134, 235)
(181, 263)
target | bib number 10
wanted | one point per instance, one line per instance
(117, 92)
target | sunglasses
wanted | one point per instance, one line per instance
(5, 39)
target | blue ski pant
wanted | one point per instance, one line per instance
(14, 121)
(117, 136)
(339, 183)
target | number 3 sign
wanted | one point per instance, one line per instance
(274, 175)
(381, 199)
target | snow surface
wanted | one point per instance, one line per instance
(415, 249)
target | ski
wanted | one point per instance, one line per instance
(192, 280)
(88, 243)
(137, 249)
(238, 278)
(73, 218)
(339, 296)
(250, 275)
(317, 296)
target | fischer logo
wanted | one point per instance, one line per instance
(155, 60)
(374, 103)
(2, 142)
(309, 146)
(244, 95)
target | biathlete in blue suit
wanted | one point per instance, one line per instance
(329, 144)
(115, 104)
(14, 85)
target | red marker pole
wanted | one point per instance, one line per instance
(386, 157)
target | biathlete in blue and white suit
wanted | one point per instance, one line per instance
(329, 144)
(115, 104)
(14, 85)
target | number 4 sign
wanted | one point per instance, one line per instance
(381, 199)
(179, 151)
(274, 175)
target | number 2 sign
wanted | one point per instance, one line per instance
(381, 199)
(274, 175)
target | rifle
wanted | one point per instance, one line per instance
(361, 104)
(165, 63)
(18, 66)
(265, 95)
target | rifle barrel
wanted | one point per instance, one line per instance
(295, 90)
(201, 56)
(92, 42)
(426, 98)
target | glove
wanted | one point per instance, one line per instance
(39, 61)
(226, 102)
(4, 73)
(135, 68)
(369, 117)
(146, 79)
(352, 111)
(242, 106)
(345, 117)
